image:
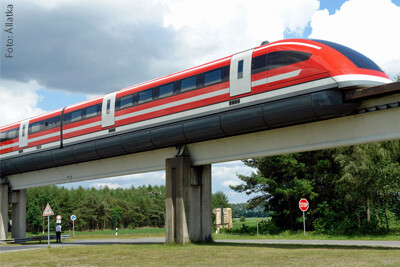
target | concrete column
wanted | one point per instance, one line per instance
(18, 200)
(3, 211)
(200, 213)
(188, 201)
(177, 199)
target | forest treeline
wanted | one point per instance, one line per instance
(102, 208)
(351, 190)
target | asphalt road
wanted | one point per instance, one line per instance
(350, 243)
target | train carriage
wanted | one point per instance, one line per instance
(278, 84)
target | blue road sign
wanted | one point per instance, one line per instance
(73, 217)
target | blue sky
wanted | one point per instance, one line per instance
(67, 51)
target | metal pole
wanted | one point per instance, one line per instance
(257, 226)
(304, 222)
(48, 230)
(73, 227)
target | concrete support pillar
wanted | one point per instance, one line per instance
(3, 211)
(18, 200)
(200, 212)
(188, 201)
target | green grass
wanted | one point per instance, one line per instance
(252, 222)
(237, 224)
(109, 234)
(202, 255)
(160, 232)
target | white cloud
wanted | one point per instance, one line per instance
(109, 185)
(18, 100)
(368, 26)
(227, 183)
(211, 29)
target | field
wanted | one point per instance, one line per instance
(224, 254)
(160, 232)
(201, 255)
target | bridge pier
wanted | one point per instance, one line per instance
(18, 200)
(188, 201)
(3, 211)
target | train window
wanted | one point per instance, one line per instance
(284, 58)
(54, 122)
(145, 96)
(76, 115)
(357, 58)
(213, 77)
(35, 127)
(13, 134)
(166, 90)
(23, 130)
(92, 111)
(4, 136)
(126, 101)
(188, 84)
(240, 69)
(108, 108)
(259, 64)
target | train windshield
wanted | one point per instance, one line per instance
(357, 58)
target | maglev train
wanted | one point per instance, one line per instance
(274, 85)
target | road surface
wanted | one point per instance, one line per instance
(161, 240)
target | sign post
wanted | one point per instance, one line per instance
(303, 205)
(48, 212)
(58, 218)
(73, 218)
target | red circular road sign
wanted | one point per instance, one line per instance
(303, 204)
(58, 217)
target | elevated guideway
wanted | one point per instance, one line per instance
(188, 169)
(377, 119)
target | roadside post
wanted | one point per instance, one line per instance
(257, 225)
(48, 212)
(303, 205)
(73, 218)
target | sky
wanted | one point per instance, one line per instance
(61, 52)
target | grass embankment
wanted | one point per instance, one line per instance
(252, 222)
(201, 255)
(160, 232)
(110, 234)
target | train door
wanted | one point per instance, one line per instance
(23, 133)
(240, 73)
(108, 110)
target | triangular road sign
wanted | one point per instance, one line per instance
(48, 211)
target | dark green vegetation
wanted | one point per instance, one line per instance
(97, 208)
(352, 190)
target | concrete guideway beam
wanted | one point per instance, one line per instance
(356, 129)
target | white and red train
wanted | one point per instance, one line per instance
(278, 84)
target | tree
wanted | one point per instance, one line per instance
(280, 182)
(370, 176)
(219, 199)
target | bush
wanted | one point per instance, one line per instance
(268, 228)
(242, 219)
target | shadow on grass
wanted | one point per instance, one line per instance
(221, 244)
(301, 246)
